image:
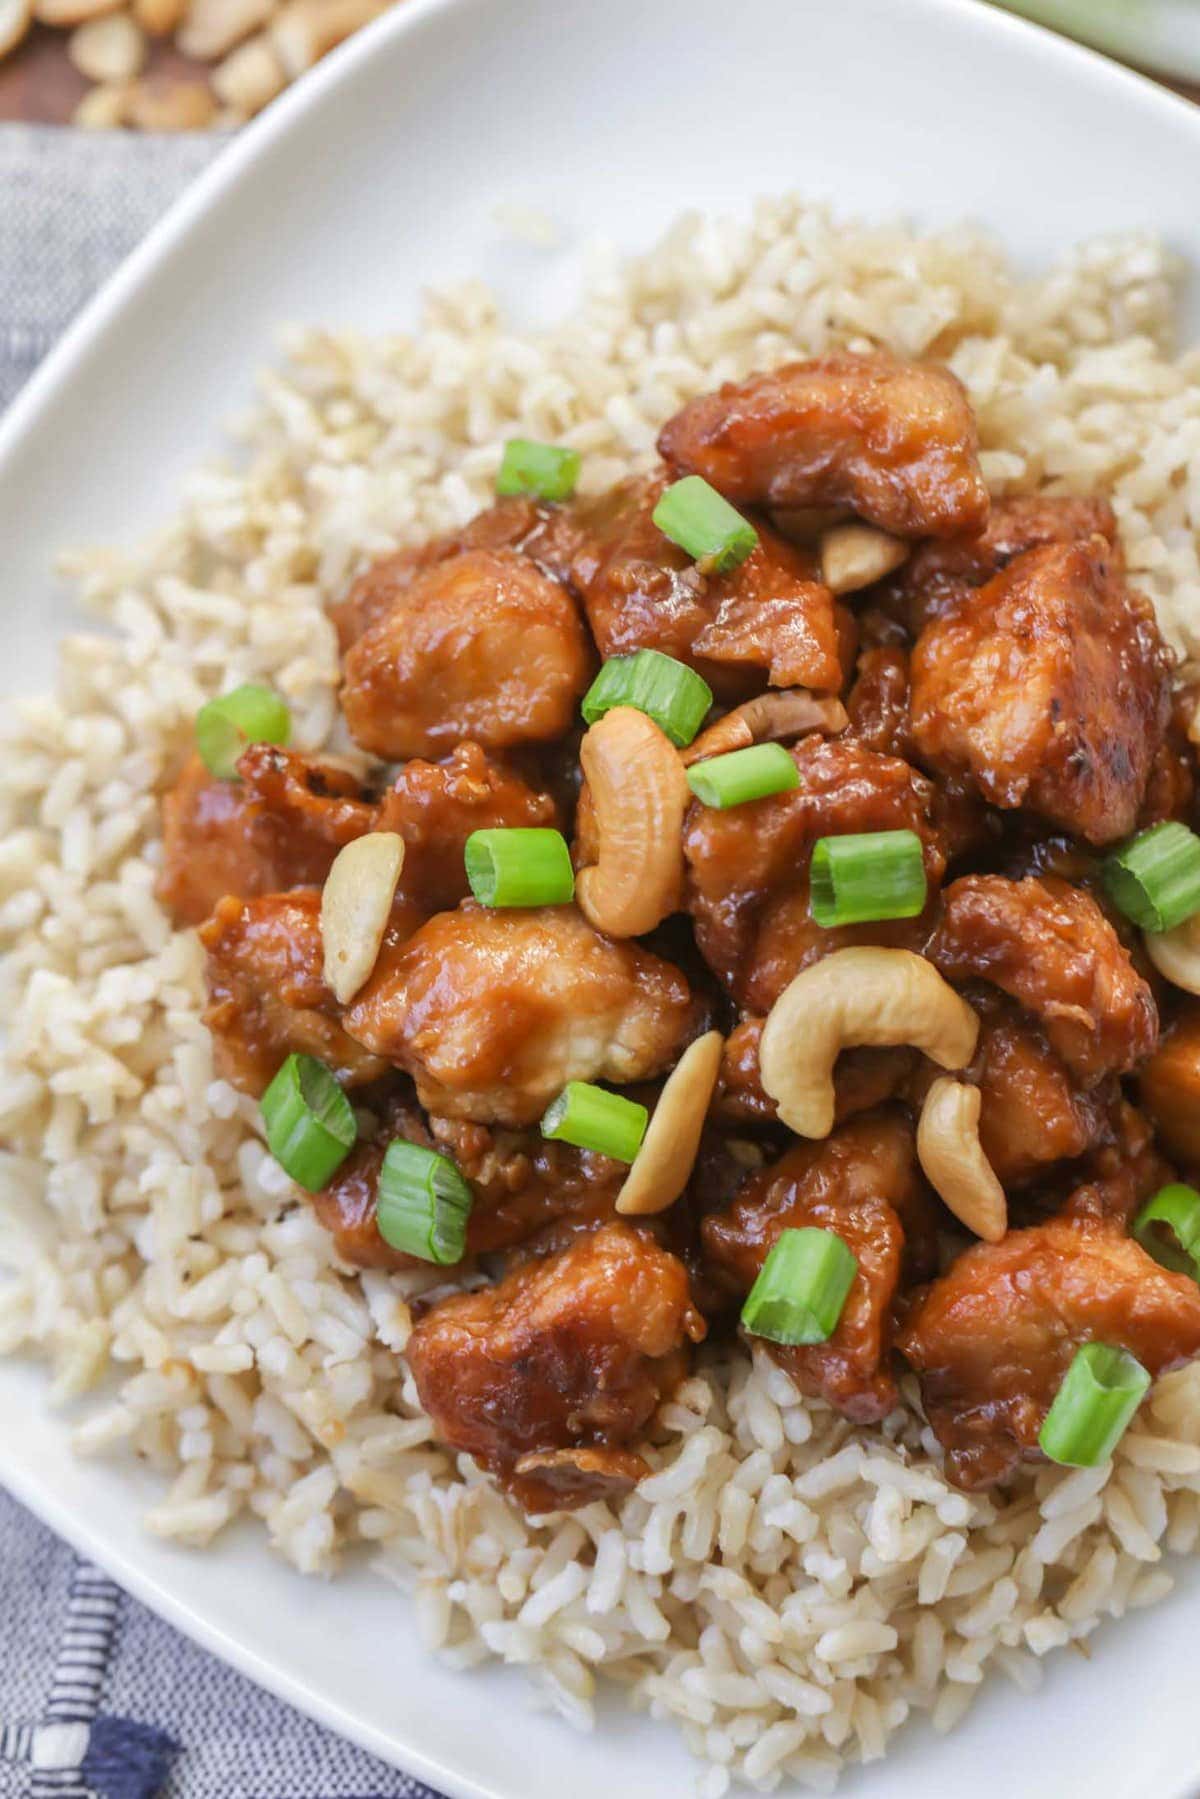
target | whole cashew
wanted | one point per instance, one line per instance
(769, 718)
(1176, 954)
(856, 996)
(949, 1150)
(638, 795)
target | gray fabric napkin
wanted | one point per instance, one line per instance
(98, 1698)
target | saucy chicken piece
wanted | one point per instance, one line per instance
(435, 806)
(993, 1338)
(493, 1012)
(894, 441)
(747, 887)
(877, 704)
(574, 1351)
(267, 994)
(1171, 783)
(862, 1078)
(1121, 1175)
(279, 825)
(1169, 1085)
(861, 1183)
(482, 646)
(769, 618)
(1050, 947)
(1050, 688)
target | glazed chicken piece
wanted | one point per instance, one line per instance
(747, 886)
(493, 1012)
(1169, 1085)
(863, 1078)
(1171, 784)
(267, 994)
(1050, 947)
(279, 825)
(482, 646)
(1050, 688)
(768, 619)
(994, 1337)
(1122, 1174)
(862, 1183)
(877, 704)
(548, 1378)
(894, 441)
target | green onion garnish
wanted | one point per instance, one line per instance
(702, 522)
(309, 1122)
(1178, 1208)
(422, 1203)
(669, 692)
(743, 775)
(801, 1288)
(866, 875)
(1102, 1390)
(1155, 878)
(247, 715)
(519, 867)
(543, 470)
(592, 1118)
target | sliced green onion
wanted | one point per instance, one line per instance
(866, 875)
(309, 1122)
(669, 692)
(247, 715)
(422, 1204)
(519, 867)
(1102, 1390)
(593, 1118)
(1178, 1208)
(743, 775)
(702, 522)
(801, 1288)
(543, 470)
(1155, 878)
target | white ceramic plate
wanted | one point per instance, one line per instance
(379, 175)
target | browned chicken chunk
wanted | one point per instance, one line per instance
(483, 646)
(894, 441)
(1050, 688)
(493, 1012)
(1050, 946)
(570, 1353)
(995, 1336)
(1169, 1085)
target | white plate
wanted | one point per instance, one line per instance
(379, 175)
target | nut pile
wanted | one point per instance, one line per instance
(253, 49)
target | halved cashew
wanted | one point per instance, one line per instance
(1176, 954)
(663, 1165)
(949, 1150)
(355, 904)
(769, 718)
(638, 796)
(16, 16)
(853, 556)
(855, 996)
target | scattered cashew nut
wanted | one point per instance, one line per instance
(663, 1165)
(638, 795)
(769, 718)
(16, 16)
(1176, 954)
(355, 905)
(856, 996)
(854, 556)
(949, 1151)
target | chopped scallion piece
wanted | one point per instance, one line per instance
(702, 522)
(866, 875)
(593, 1118)
(1102, 1390)
(225, 726)
(1178, 1247)
(543, 470)
(519, 867)
(743, 775)
(669, 692)
(1155, 878)
(801, 1288)
(309, 1121)
(422, 1203)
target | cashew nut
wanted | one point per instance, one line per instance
(1176, 954)
(854, 556)
(769, 718)
(355, 904)
(663, 1165)
(638, 796)
(949, 1150)
(855, 996)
